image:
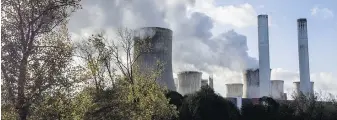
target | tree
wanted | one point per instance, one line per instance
(136, 95)
(253, 112)
(175, 98)
(28, 60)
(206, 105)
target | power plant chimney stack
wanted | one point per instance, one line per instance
(303, 55)
(264, 70)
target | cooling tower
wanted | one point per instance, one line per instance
(154, 51)
(234, 90)
(189, 82)
(277, 89)
(298, 85)
(204, 82)
(303, 55)
(263, 39)
(251, 83)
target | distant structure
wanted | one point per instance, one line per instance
(264, 63)
(154, 51)
(189, 82)
(234, 90)
(251, 84)
(298, 86)
(303, 56)
(210, 81)
(204, 82)
(277, 89)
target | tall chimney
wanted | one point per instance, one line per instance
(264, 71)
(303, 55)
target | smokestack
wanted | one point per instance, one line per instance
(264, 71)
(303, 55)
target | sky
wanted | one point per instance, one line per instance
(220, 36)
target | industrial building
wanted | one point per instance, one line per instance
(189, 82)
(297, 86)
(153, 51)
(277, 91)
(251, 84)
(234, 90)
(210, 81)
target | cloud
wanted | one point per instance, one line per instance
(322, 12)
(241, 15)
(195, 47)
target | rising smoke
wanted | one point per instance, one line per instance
(194, 45)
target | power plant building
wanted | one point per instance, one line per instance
(277, 89)
(189, 82)
(264, 63)
(298, 85)
(152, 48)
(303, 56)
(234, 90)
(251, 84)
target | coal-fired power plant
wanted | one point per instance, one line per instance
(189, 82)
(303, 56)
(234, 90)
(251, 83)
(153, 50)
(153, 47)
(264, 64)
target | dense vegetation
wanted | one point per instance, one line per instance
(46, 75)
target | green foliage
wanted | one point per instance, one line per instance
(206, 105)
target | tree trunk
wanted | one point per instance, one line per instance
(21, 105)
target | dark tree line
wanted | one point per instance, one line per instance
(206, 105)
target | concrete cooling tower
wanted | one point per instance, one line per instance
(189, 82)
(153, 47)
(303, 55)
(277, 89)
(204, 82)
(251, 83)
(297, 86)
(264, 63)
(234, 90)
